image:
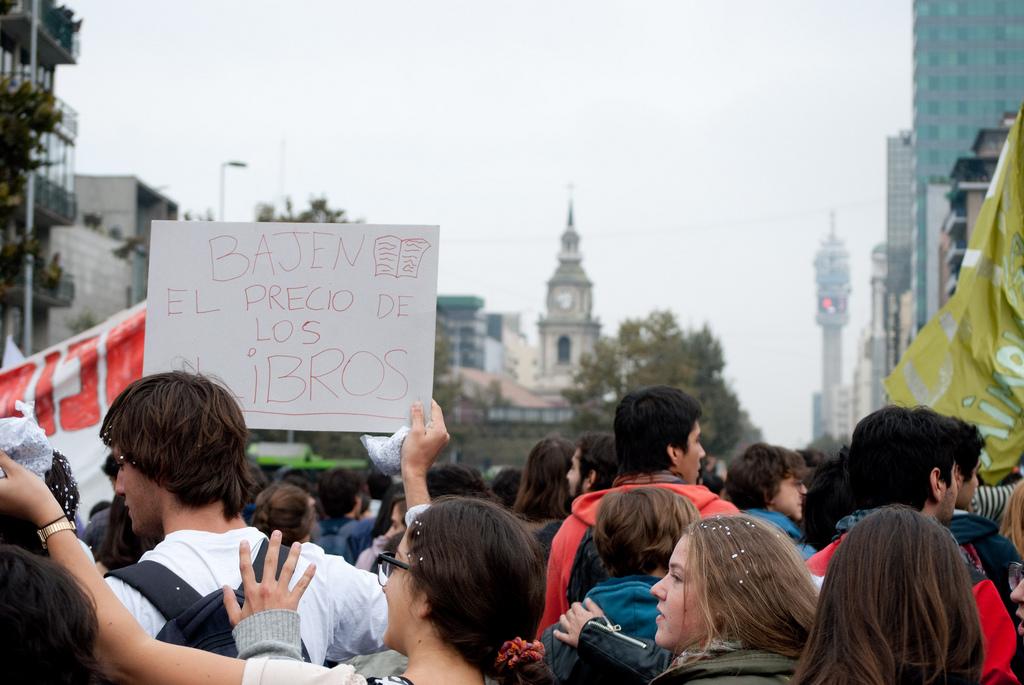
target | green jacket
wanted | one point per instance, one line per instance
(743, 667)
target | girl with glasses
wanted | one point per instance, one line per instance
(465, 593)
(1016, 574)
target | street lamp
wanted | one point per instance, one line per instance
(223, 166)
(27, 326)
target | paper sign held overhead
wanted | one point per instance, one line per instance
(311, 326)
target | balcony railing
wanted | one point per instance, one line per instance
(951, 283)
(56, 21)
(956, 222)
(60, 295)
(68, 126)
(59, 24)
(55, 199)
(955, 253)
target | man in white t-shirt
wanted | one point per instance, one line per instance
(179, 439)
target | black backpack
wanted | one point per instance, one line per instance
(192, 620)
(587, 569)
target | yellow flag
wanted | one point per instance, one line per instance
(968, 361)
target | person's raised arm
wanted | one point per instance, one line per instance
(125, 652)
(420, 450)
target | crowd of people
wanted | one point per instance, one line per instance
(628, 556)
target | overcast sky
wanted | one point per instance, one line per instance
(707, 142)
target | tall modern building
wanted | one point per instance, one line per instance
(968, 71)
(464, 322)
(969, 181)
(832, 275)
(107, 248)
(54, 202)
(868, 393)
(568, 330)
(899, 243)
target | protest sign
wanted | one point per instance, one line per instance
(311, 326)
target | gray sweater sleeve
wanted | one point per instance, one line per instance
(272, 634)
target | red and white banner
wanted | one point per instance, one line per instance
(73, 384)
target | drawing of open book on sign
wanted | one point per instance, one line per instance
(398, 257)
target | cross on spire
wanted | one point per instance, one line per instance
(570, 222)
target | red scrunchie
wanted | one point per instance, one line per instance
(517, 651)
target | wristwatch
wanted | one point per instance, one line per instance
(49, 529)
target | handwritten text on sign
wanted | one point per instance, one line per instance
(312, 326)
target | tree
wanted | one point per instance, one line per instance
(749, 433)
(318, 212)
(82, 322)
(27, 113)
(655, 351)
(446, 383)
(203, 216)
(827, 444)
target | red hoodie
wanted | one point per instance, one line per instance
(998, 635)
(584, 515)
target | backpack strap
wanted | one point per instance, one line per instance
(261, 558)
(165, 589)
(587, 569)
(161, 586)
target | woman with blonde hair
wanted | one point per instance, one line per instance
(735, 608)
(1012, 526)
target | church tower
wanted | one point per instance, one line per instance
(568, 329)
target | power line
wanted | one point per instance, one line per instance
(732, 223)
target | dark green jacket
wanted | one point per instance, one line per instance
(743, 667)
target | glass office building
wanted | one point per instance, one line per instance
(899, 225)
(968, 72)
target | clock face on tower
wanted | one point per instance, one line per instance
(565, 299)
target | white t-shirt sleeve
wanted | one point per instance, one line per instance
(138, 606)
(359, 608)
(278, 672)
